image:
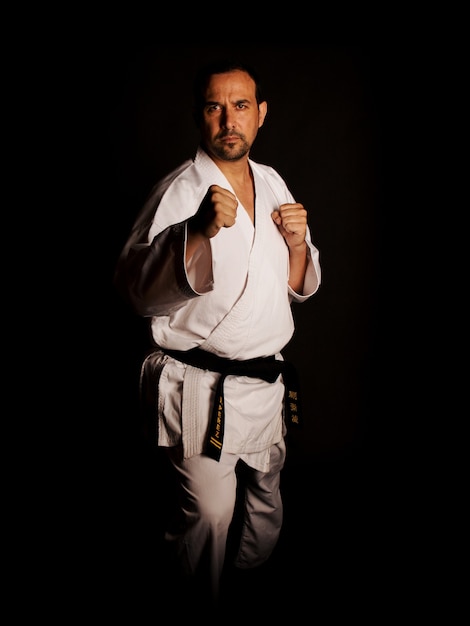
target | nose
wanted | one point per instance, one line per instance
(228, 119)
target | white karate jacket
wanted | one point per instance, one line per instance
(231, 299)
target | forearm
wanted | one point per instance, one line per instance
(194, 240)
(298, 261)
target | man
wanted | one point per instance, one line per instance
(215, 260)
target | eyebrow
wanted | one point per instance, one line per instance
(240, 101)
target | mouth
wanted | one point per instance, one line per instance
(229, 138)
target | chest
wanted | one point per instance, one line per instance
(246, 196)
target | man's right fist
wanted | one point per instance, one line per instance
(218, 210)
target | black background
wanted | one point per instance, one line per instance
(325, 134)
(332, 131)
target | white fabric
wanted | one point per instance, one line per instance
(210, 489)
(239, 308)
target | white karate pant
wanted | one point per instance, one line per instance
(208, 492)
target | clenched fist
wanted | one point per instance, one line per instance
(218, 210)
(291, 220)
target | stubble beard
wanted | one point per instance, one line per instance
(231, 151)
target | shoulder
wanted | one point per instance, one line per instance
(180, 177)
(191, 174)
(170, 178)
(268, 173)
(273, 179)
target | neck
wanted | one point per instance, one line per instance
(238, 171)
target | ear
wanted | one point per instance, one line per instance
(262, 111)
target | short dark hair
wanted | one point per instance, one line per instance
(221, 66)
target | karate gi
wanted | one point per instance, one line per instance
(232, 299)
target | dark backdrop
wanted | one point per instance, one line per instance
(323, 133)
(330, 134)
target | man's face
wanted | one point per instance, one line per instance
(231, 116)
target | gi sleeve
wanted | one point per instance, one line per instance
(154, 278)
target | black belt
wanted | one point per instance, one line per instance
(267, 368)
